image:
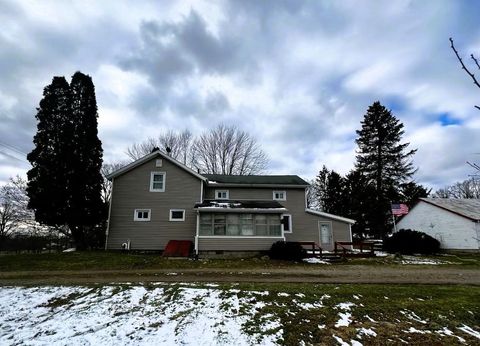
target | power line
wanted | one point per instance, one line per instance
(13, 157)
(13, 148)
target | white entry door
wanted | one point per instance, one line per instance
(325, 233)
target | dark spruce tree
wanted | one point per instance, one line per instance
(47, 180)
(330, 192)
(384, 161)
(65, 182)
(411, 192)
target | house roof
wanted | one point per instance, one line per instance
(262, 180)
(149, 157)
(469, 208)
(330, 216)
(240, 206)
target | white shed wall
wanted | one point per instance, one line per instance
(452, 230)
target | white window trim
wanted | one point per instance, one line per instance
(280, 199)
(227, 193)
(135, 212)
(175, 220)
(164, 181)
(289, 223)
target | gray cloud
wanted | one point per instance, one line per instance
(298, 75)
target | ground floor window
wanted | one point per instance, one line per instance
(225, 224)
(141, 215)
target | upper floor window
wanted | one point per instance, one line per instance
(157, 181)
(221, 194)
(141, 215)
(279, 195)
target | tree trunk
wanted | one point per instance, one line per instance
(78, 234)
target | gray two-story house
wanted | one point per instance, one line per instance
(157, 199)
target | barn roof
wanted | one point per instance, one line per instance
(469, 208)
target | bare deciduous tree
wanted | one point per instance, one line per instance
(312, 196)
(108, 168)
(178, 143)
(227, 150)
(13, 207)
(465, 68)
(222, 150)
(469, 188)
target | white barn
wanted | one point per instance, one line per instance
(453, 222)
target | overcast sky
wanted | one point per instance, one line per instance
(297, 75)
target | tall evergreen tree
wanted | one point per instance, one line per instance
(383, 161)
(360, 202)
(65, 182)
(85, 179)
(47, 180)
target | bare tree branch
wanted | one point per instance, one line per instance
(463, 65)
(475, 60)
(475, 81)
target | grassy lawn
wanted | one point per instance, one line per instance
(244, 314)
(101, 260)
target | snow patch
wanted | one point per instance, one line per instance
(414, 330)
(345, 319)
(345, 306)
(340, 340)
(366, 331)
(412, 316)
(422, 260)
(370, 319)
(470, 331)
(314, 260)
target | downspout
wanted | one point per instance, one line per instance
(196, 233)
(109, 213)
(477, 228)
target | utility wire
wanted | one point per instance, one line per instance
(13, 148)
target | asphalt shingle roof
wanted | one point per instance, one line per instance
(256, 179)
(469, 208)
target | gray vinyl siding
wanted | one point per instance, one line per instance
(306, 229)
(304, 225)
(132, 191)
(236, 244)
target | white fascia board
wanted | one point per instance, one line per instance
(330, 216)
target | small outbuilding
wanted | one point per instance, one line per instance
(453, 222)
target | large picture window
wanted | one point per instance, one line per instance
(249, 225)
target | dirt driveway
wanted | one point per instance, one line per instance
(320, 274)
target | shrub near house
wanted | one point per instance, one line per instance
(407, 241)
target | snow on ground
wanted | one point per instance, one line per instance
(470, 331)
(130, 315)
(345, 317)
(314, 260)
(179, 314)
(422, 260)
